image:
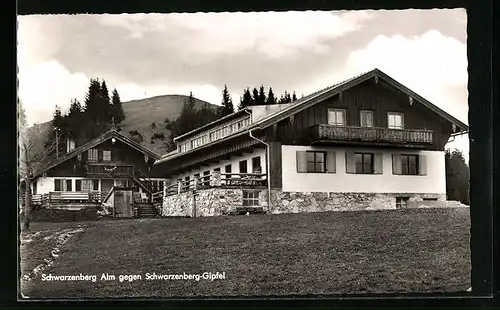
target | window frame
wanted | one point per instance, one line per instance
(240, 165)
(402, 201)
(315, 162)
(369, 112)
(389, 114)
(407, 164)
(104, 156)
(250, 198)
(93, 155)
(335, 110)
(363, 154)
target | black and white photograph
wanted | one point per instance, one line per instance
(243, 154)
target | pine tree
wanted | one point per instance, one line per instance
(75, 120)
(255, 96)
(117, 108)
(294, 97)
(227, 103)
(270, 97)
(262, 95)
(245, 100)
(105, 107)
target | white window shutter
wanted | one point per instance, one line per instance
(396, 164)
(378, 163)
(301, 161)
(422, 164)
(350, 162)
(331, 162)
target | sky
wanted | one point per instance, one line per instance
(145, 55)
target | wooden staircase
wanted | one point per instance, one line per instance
(144, 209)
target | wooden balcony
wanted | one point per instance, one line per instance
(371, 135)
(102, 169)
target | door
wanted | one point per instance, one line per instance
(106, 185)
(123, 203)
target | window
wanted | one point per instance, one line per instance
(69, 185)
(93, 155)
(243, 166)
(95, 185)
(395, 120)
(57, 185)
(366, 118)
(196, 178)
(206, 178)
(336, 117)
(217, 169)
(250, 198)
(227, 169)
(401, 202)
(409, 164)
(78, 185)
(430, 199)
(106, 155)
(364, 163)
(315, 161)
(256, 168)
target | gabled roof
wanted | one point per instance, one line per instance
(112, 133)
(318, 96)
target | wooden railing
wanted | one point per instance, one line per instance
(371, 134)
(69, 197)
(217, 179)
(117, 169)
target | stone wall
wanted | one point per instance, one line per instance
(209, 202)
(222, 201)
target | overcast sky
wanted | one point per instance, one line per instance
(145, 55)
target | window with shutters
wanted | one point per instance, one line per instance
(315, 161)
(364, 163)
(409, 164)
(366, 118)
(106, 155)
(336, 117)
(250, 198)
(93, 155)
(395, 120)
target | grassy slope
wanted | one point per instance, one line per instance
(316, 253)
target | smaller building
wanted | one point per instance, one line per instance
(89, 174)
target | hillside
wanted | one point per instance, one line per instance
(139, 115)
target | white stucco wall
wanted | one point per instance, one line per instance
(434, 182)
(234, 161)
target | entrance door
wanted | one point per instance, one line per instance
(106, 185)
(123, 203)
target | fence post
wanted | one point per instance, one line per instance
(216, 179)
(179, 187)
(164, 190)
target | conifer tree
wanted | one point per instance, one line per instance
(245, 100)
(227, 103)
(262, 95)
(117, 108)
(294, 97)
(105, 104)
(255, 96)
(270, 97)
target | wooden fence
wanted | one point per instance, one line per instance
(217, 179)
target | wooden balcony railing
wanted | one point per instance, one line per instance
(106, 169)
(217, 179)
(371, 134)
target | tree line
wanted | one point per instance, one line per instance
(84, 122)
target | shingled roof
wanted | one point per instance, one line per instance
(112, 133)
(318, 96)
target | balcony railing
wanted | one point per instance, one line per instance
(371, 134)
(106, 169)
(217, 179)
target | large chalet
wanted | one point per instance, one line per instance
(366, 143)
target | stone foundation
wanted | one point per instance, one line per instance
(223, 201)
